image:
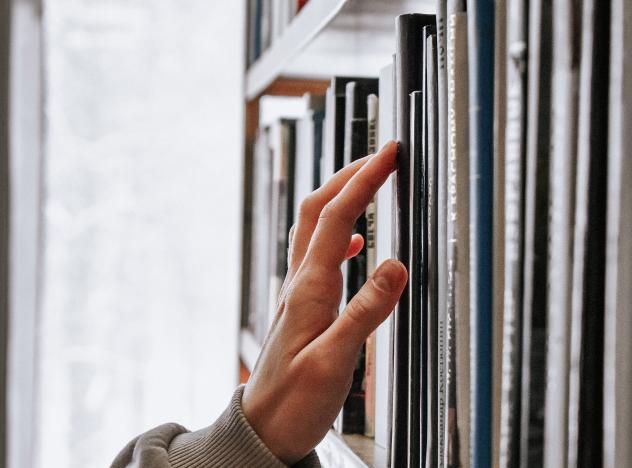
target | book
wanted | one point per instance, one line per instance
(617, 419)
(407, 79)
(260, 235)
(371, 263)
(283, 143)
(515, 139)
(457, 305)
(565, 67)
(383, 249)
(477, 432)
(416, 276)
(355, 147)
(442, 196)
(307, 142)
(536, 233)
(431, 145)
(500, 69)
(585, 390)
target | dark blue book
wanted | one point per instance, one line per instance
(481, 95)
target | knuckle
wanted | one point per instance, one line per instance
(316, 289)
(314, 367)
(309, 208)
(336, 211)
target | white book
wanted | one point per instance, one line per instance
(561, 216)
(305, 154)
(383, 251)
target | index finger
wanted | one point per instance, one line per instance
(333, 231)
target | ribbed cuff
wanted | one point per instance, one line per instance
(229, 442)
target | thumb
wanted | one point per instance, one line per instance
(368, 308)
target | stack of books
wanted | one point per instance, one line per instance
(512, 344)
(267, 20)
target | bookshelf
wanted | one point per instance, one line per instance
(310, 47)
(510, 166)
(327, 38)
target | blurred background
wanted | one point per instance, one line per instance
(120, 198)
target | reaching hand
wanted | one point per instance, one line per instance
(306, 365)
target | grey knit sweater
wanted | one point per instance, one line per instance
(229, 442)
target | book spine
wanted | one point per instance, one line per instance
(432, 328)
(457, 113)
(415, 271)
(408, 79)
(442, 197)
(384, 353)
(617, 449)
(478, 430)
(462, 236)
(561, 215)
(536, 234)
(355, 147)
(500, 69)
(587, 300)
(516, 63)
(371, 263)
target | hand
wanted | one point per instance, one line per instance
(304, 373)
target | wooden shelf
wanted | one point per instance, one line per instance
(333, 37)
(335, 451)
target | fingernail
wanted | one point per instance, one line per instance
(387, 144)
(388, 277)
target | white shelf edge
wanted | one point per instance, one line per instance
(299, 33)
(249, 349)
(335, 453)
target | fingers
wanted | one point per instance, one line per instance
(355, 246)
(331, 238)
(312, 206)
(368, 308)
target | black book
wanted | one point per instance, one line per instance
(319, 120)
(431, 136)
(417, 283)
(587, 302)
(355, 147)
(515, 138)
(409, 35)
(536, 232)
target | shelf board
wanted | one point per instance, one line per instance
(335, 451)
(333, 37)
(249, 349)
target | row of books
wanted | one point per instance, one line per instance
(512, 344)
(267, 19)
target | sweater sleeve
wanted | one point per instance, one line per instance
(228, 442)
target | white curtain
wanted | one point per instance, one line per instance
(139, 311)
